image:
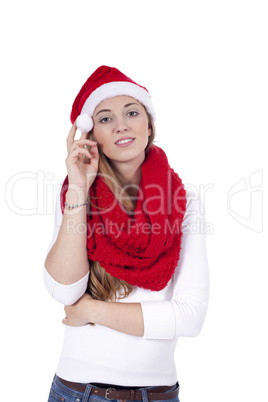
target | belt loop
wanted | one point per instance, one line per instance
(132, 395)
(144, 395)
(87, 393)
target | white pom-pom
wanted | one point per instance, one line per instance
(84, 123)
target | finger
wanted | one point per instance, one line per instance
(84, 135)
(79, 145)
(85, 141)
(71, 135)
(72, 132)
(94, 151)
(79, 151)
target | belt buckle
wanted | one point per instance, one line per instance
(107, 393)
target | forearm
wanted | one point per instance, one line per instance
(67, 261)
(122, 317)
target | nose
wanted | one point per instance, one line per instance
(120, 125)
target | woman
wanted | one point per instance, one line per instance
(123, 259)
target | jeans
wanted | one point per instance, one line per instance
(61, 393)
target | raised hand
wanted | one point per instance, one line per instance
(82, 165)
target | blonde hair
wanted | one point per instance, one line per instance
(102, 285)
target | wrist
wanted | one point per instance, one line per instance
(97, 312)
(76, 194)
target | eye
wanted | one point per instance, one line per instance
(105, 119)
(132, 113)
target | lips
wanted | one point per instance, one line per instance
(124, 140)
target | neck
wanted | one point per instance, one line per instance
(130, 171)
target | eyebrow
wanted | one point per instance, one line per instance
(103, 110)
(109, 110)
(129, 104)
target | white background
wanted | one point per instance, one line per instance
(205, 64)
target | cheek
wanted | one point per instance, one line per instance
(99, 135)
(145, 131)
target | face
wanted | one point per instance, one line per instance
(121, 129)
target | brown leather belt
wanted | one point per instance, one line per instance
(154, 394)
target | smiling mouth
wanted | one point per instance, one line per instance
(125, 141)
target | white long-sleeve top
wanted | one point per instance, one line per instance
(99, 354)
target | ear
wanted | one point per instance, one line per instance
(149, 131)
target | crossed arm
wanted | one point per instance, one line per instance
(161, 316)
(122, 317)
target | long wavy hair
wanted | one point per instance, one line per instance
(102, 285)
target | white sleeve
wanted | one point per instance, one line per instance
(65, 294)
(184, 313)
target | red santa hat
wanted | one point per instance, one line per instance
(106, 82)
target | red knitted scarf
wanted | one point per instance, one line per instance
(143, 247)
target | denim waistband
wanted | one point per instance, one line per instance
(60, 392)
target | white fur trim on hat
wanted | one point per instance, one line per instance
(84, 123)
(117, 88)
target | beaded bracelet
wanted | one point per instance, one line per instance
(73, 206)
